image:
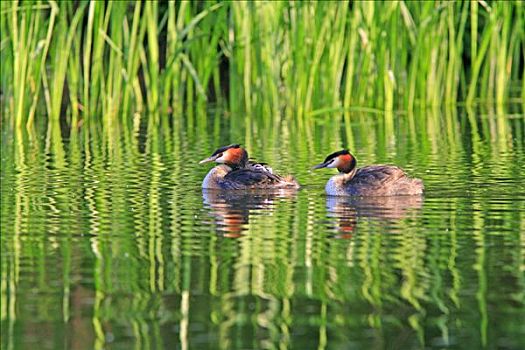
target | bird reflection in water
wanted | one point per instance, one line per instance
(345, 212)
(231, 210)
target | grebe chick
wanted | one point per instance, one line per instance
(373, 180)
(236, 172)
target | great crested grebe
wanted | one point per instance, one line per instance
(236, 172)
(373, 180)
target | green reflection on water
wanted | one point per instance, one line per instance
(108, 240)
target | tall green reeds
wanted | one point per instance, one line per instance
(300, 59)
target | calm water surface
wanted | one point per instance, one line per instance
(108, 240)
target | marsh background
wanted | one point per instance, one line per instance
(107, 240)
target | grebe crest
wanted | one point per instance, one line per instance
(232, 155)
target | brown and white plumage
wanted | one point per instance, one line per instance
(236, 172)
(373, 180)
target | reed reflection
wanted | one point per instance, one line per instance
(345, 212)
(231, 210)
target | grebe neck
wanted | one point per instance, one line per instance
(215, 176)
(348, 175)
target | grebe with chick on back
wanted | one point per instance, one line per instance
(372, 180)
(236, 172)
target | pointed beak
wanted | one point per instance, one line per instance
(319, 166)
(207, 160)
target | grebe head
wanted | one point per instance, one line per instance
(232, 155)
(343, 160)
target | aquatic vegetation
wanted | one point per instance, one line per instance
(107, 239)
(103, 61)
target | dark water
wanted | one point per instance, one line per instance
(108, 241)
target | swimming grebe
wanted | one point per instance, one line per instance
(236, 172)
(373, 180)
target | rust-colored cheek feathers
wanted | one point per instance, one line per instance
(236, 156)
(346, 158)
(345, 163)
